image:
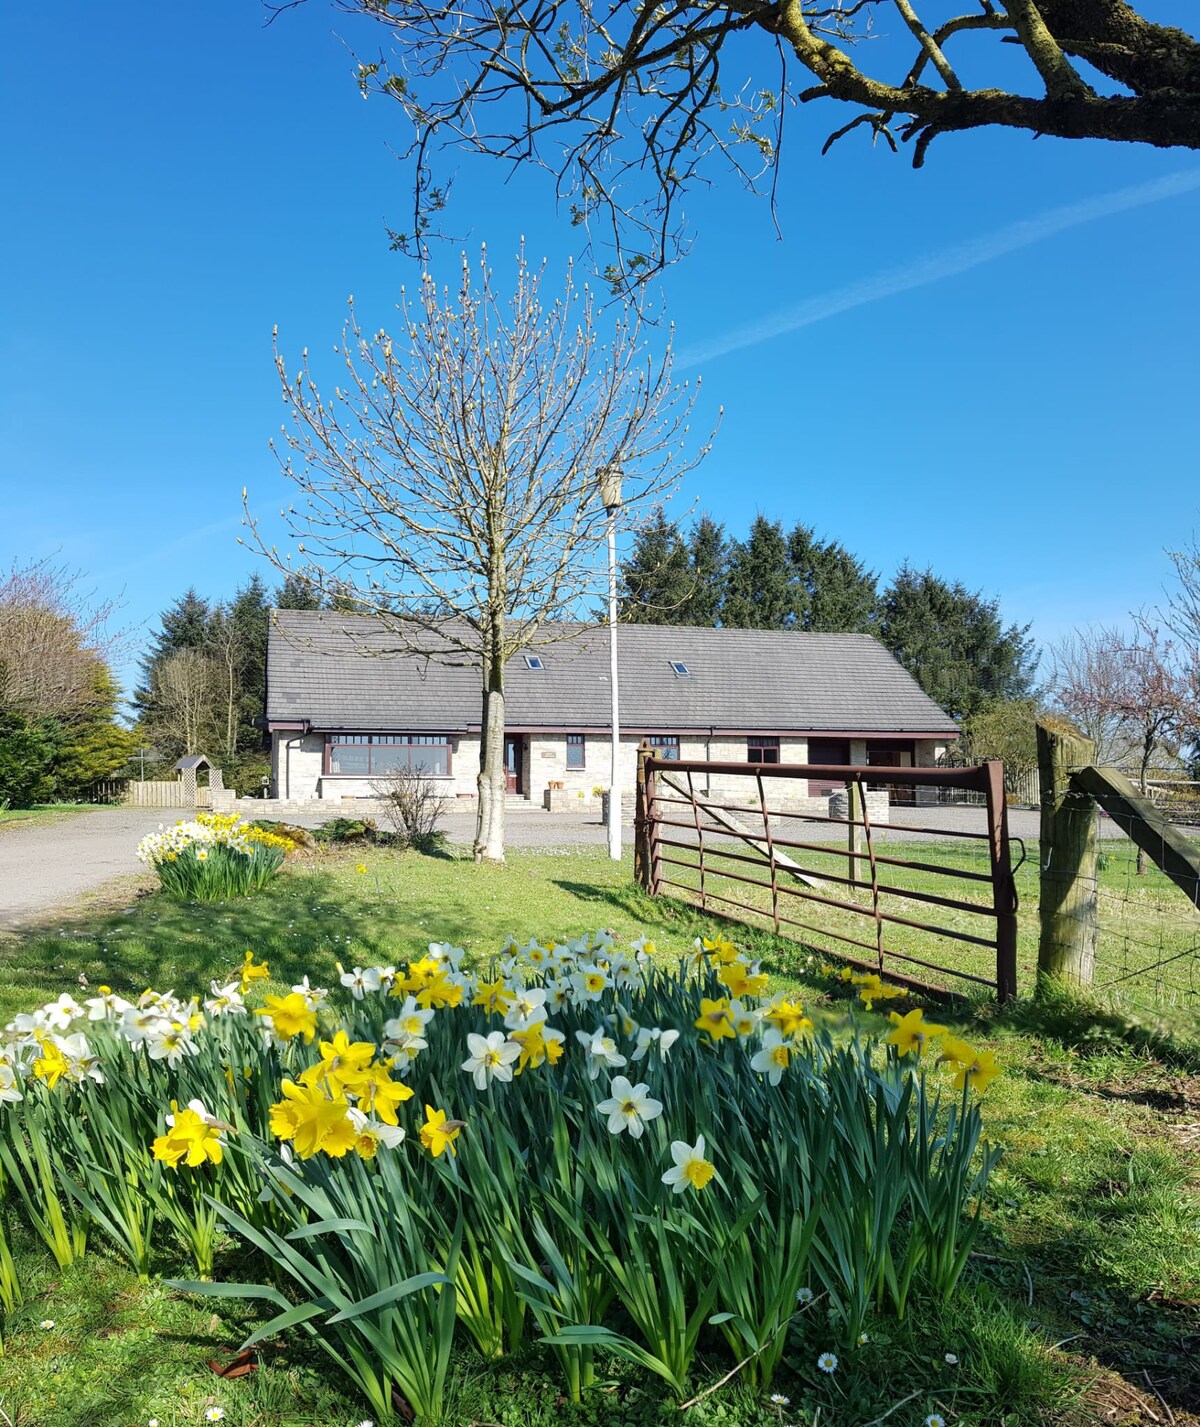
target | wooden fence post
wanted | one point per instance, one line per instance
(1067, 856)
(641, 825)
(855, 812)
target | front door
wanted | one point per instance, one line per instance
(826, 750)
(512, 763)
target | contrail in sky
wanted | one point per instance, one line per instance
(947, 263)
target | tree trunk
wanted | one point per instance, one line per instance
(489, 832)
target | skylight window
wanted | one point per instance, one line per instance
(533, 662)
(680, 669)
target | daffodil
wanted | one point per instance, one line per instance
(910, 1032)
(654, 1038)
(360, 980)
(978, 1072)
(313, 1121)
(289, 1016)
(193, 1137)
(774, 1057)
(741, 980)
(601, 1050)
(252, 971)
(714, 1019)
(52, 1064)
(589, 983)
(491, 1058)
(786, 1016)
(493, 996)
(690, 1170)
(629, 1107)
(345, 1065)
(373, 1133)
(379, 1094)
(438, 1133)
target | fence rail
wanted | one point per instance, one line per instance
(742, 852)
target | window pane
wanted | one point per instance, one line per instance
(575, 750)
(433, 760)
(389, 757)
(348, 758)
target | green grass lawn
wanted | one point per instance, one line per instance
(1087, 1279)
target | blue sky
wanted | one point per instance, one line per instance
(989, 366)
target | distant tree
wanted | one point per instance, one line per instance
(760, 587)
(28, 748)
(1006, 729)
(187, 694)
(1144, 686)
(708, 555)
(450, 487)
(296, 592)
(836, 593)
(954, 643)
(54, 644)
(185, 625)
(656, 578)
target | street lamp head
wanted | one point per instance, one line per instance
(610, 486)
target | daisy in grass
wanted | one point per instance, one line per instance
(629, 1107)
(690, 1170)
(827, 1362)
(491, 1058)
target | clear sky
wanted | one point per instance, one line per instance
(989, 366)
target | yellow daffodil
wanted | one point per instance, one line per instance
(720, 949)
(313, 1121)
(193, 1138)
(741, 981)
(51, 1065)
(440, 992)
(494, 997)
(438, 1133)
(909, 1033)
(344, 1065)
(291, 1015)
(715, 1019)
(380, 1094)
(978, 1073)
(252, 971)
(787, 1016)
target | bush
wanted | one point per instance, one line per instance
(338, 830)
(414, 807)
(28, 748)
(213, 858)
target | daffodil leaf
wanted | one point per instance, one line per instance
(329, 1226)
(397, 1291)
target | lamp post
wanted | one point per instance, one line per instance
(610, 494)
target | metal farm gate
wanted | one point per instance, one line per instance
(902, 898)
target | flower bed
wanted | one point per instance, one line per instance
(578, 1142)
(213, 858)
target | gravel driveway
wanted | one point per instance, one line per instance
(46, 864)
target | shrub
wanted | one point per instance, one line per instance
(28, 748)
(754, 1166)
(214, 858)
(338, 830)
(413, 806)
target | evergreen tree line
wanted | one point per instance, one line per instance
(203, 680)
(951, 639)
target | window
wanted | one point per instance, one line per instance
(375, 755)
(760, 748)
(665, 745)
(575, 750)
(681, 669)
(533, 662)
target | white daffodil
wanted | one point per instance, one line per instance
(601, 1051)
(744, 1019)
(360, 980)
(107, 1006)
(626, 974)
(8, 1084)
(629, 1107)
(141, 1025)
(81, 1063)
(174, 1045)
(774, 1057)
(491, 1058)
(225, 1000)
(62, 1014)
(690, 1170)
(558, 997)
(528, 1008)
(623, 1023)
(389, 1136)
(314, 996)
(445, 954)
(588, 984)
(654, 1038)
(410, 1023)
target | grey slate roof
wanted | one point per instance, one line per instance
(339, 671)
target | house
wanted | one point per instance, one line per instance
(344, 707)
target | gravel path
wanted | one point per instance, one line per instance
(46, 864)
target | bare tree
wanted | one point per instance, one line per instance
(55, 644)
(625, 102)
(451, 487)
(413, 806)
(187, 688)
(1140, 692)
(1183, 608)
